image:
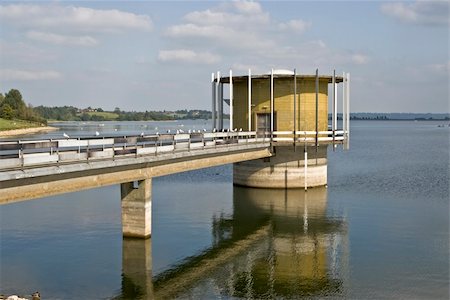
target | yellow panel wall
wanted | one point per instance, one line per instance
(283, 102)
(240, 101)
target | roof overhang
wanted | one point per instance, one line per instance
(328, 78)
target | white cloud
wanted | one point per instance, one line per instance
(223, 37)
(248, 7)
(420, 12)
(360, 59)
(187, 56)
(14, 74)
(440, 68)
(72, 18)
(58, 39)
(225, 18)
(230, 27)
(193, 30)
(295, 25)
(226, 30)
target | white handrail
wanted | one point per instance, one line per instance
(23, 153)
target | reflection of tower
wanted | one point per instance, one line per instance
(296, 258)
(277, 244)
(291, 111)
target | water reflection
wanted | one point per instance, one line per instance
(277, 243)
(137, 268)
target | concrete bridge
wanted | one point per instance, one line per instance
(32, 169)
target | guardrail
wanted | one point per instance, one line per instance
(338, 136)
(33, 153)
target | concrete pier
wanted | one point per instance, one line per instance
(286, 169)
(136, 208)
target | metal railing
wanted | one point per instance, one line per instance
(34, 153)
(338, 136)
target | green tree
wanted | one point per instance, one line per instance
(7, 112)
(14, 99)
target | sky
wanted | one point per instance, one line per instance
(155, 55)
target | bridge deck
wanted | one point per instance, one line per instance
(36, 168)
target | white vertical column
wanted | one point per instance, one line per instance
(295, 107)
(344, 116)
(334, 114)
(347, 123)
(317, 111)
(231, 99)
(306, 168)
(220, 105)
(213, 108)
(271, 103)
(249, 100)
(218, 99)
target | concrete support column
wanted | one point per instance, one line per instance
(136, 208)
(137, 268)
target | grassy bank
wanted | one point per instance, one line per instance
(104, 115)
(16, 124)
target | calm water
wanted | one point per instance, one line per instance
(379, 231)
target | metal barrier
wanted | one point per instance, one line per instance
(33, 153)
(26, 153)
(338, 136)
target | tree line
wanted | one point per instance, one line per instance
(71, 113)
(12, 106)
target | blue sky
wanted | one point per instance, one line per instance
(150, 55)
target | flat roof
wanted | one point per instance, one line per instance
(329, 78)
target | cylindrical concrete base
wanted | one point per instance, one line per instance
(286, 169)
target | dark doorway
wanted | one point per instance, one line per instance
(263, 124)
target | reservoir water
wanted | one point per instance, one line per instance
(380, 230)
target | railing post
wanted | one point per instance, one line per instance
(306, 169)
(22, 159)
(334, 109)
(295, 108)
(136, 148)
(271, 108)
(57, 153)
(317, 110)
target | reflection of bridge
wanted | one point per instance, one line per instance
(37, 168)
(276, 244)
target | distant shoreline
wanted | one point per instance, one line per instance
(111, 121)
(31, 130)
